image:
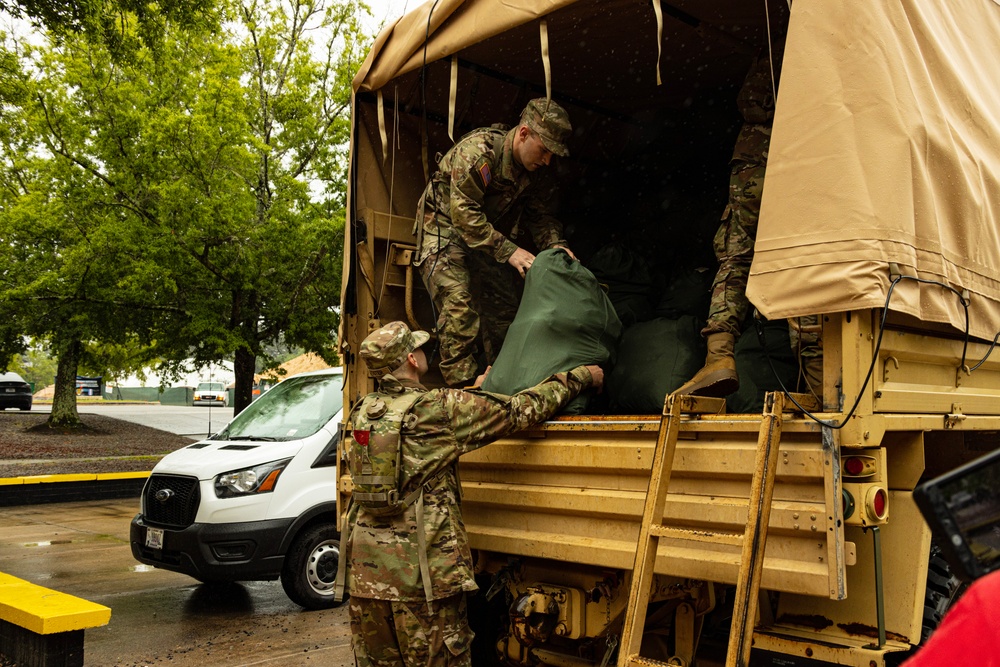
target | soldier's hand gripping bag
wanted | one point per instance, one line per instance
(564, 320)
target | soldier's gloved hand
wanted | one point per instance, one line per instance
(521, 260)
(568, 251)
(596, 377)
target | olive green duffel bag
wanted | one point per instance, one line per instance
(564, 320)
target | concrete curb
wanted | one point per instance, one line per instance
(38, 489)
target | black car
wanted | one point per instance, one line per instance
(14, 392)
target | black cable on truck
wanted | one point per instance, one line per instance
(963, 299)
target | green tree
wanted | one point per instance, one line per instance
(69, 268)
(191, 201)
(115, 361)
(298, 110)
(121, 26)
(36, 365)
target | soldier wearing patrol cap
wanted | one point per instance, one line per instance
(388, 347)
(408, 573)
(487, 191)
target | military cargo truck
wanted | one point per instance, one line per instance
(879, 214)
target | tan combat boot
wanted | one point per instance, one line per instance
(718, 377)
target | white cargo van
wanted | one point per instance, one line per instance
(257, 500)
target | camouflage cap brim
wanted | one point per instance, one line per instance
(550, 122)
(419, 338)
(557, 148)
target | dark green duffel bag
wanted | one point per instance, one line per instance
(756, 374)
(654, 358)
(564, 320)
(629, 280)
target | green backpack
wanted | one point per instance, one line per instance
(374, 451)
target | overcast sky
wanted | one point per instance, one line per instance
(384, 11)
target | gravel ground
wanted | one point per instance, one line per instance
(104, 444)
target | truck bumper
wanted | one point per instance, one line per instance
(248, 551)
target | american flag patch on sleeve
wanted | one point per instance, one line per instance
(484, 173)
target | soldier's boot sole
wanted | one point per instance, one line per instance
(717, 380)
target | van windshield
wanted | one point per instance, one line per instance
(293, 409)
(211, 386)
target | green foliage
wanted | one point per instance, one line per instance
(121, 27)
(36, 365)
(116, 361)
(188, 203)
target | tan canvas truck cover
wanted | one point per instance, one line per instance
(885, 147)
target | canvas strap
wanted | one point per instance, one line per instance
(658, 10)
(543, 33)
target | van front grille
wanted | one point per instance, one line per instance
(171, 500)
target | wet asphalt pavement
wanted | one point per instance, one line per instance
(160, 617)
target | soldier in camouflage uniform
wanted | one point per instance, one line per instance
(408, 604)
(734, 241)
(484, 195)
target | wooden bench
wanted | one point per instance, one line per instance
(40, 627)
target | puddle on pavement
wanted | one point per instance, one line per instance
(47, 544)
(142, 567)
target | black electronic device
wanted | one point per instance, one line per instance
(962, 508)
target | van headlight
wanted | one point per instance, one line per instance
(258, 479)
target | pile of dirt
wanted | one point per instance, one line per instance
(46, 393)
(300, 364)
(28, 446)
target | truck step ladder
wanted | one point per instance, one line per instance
(754, 537)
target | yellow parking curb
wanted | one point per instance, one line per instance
(79, 477)
(44, 611)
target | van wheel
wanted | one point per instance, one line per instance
(310, 569)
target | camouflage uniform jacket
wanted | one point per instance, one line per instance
(481, 196)
(756, 102)
(382, 552)
(752, 144)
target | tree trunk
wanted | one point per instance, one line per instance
(64, 400)
(244, 365)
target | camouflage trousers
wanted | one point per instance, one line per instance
(408, 634)
(734, 243)
(734, 249)
(806, 336)
(476, 299)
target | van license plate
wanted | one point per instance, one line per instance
(154, 538)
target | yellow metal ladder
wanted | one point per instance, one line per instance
(652, 528)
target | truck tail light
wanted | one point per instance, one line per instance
(859, 466)
(877, 503)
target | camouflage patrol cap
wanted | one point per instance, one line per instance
(386, 348)
(550, 122)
